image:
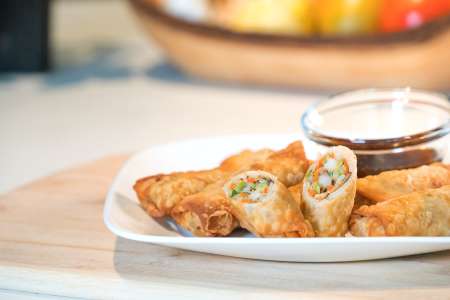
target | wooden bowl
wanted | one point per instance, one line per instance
(418, 58)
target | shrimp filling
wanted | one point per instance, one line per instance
(251, 188)
(329, 174)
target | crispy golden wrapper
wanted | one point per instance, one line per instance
(158, 194)
(288, 165)
(360, 201)
(296, 193)
(207, 213)
(275, 215)
(330, 215)
(193, 213)
(392, 184)
(424, 213)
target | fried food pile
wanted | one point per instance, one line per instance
(283, 194)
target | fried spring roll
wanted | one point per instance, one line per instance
(265, 207)
(360, 201)
(193, 213)
(392, 184)
(329, 191)
(288, 165)
(447, 166)
(296, 193)
(210, 217)
(425, 213)
(158, 194)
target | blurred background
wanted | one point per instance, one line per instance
(83, 79)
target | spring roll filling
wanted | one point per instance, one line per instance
(328, 175)
(252, 189)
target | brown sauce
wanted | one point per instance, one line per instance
(372, 164)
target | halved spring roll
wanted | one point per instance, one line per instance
(208, 213)
(158, 194)
(193, 212)
(329, 191)
(392, 184)
(425, 213)
(265, 207)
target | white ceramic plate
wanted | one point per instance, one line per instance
(125, 218)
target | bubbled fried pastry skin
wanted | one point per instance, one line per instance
(243, 159)
(360, 201)
(424, 213)
(276, 214)
(212, 217)
(289, 164)
(391, 184)
(158, 194)
(296, 193)
(441, 164)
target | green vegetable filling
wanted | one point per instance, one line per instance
(244, 186)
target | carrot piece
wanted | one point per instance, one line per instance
(316, 175)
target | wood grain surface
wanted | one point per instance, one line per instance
(53, 244)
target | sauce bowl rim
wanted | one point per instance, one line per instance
(376, 144)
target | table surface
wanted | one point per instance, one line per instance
(53, 243)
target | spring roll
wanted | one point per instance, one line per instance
(193, 212)
(210, 217)
(360, 201)
(288, 165)
(296, 193)
(447, 166)
(265, 207)
(424, 213)
(158, 194)
(329, 192)
(392, 184)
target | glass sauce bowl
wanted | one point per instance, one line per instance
(388, 129)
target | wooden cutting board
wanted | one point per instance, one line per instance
(53, 243)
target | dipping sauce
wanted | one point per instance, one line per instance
(388, 129)
(369, 164)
